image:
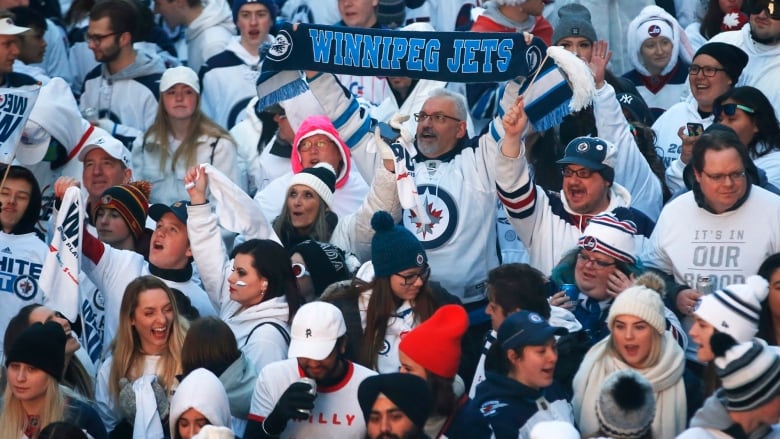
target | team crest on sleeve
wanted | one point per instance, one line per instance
(436, 225)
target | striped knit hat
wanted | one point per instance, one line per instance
(735, 309)
(750, 372)
(608, 235)
(131, 200)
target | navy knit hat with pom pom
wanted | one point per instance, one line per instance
(393, 248)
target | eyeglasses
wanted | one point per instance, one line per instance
(438, 117)
(756, 7)
(306, 145)
(299, 270)
(410, 279)
(96, 38)
(584, 260)
(730, 109)
(581, 173)
(720, 178)
(707, 71)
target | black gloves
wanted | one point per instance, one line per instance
(295, 403)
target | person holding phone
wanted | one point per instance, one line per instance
(716, 67)
(603, 264)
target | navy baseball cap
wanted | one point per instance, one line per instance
(179, 209)
(526, 328)
(591, 152)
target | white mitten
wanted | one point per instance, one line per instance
(397, 122)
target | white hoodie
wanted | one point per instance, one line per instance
(203, 391)
(209, 33)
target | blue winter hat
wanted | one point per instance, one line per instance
(526, 328)
(393, 248)
(270, 4)
(593, 153)
(178, 209)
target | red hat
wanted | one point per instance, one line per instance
(435, 343)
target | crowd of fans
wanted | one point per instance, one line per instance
(391, 257)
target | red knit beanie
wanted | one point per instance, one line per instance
(435, 343)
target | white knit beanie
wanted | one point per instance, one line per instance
(321, 178)
(641, 302)
(735, 309)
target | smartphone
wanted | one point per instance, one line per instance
(388, 133)
(695, 129)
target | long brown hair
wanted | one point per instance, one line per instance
(156, 137)
(321, 230)
(381, 307)
(128, 359)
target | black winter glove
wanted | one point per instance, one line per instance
(294, 399)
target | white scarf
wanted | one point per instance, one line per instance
(665, 377)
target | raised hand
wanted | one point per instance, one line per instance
(598, 61)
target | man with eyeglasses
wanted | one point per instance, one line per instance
(715, 69)
(453, 179)
(123, 90)
(760, 39)
(317, 140)
(723, 228)
(549, 223)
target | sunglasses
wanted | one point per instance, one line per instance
(756, 7)
(731, 109)
(299, 270)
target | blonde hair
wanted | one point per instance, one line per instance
(128, 360)
(13, 419)
(156, 137)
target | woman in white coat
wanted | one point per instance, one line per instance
(180, 137)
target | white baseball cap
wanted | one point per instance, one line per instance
(315, 329)
(7, 27)
(179, 75)
(110, 145)
(33, 144)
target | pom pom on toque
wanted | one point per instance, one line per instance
(393, 248)
(735, 309)
(640, 302)
(435, 343)
(626, 405)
